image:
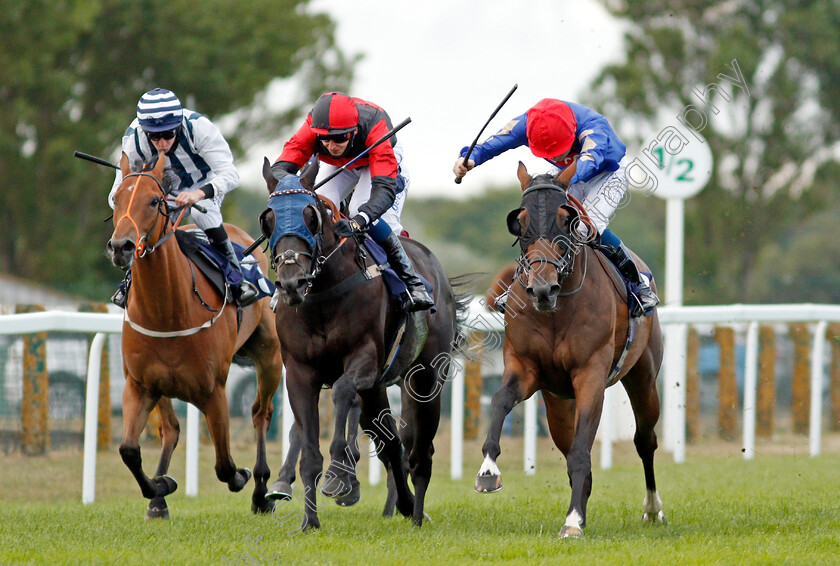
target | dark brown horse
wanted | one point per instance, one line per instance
(335, 323)
(566, 335)
(179, 338)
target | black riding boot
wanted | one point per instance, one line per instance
(220, 240)
(418, 297)
(647, 299)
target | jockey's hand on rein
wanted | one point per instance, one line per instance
(345, 228)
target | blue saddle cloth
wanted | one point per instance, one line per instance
(396, 287)
(196, 246)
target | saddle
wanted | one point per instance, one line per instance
(623, 286)
(216, 267)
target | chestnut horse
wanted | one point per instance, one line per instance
(178, 340)
(567, 335)
(334, 323)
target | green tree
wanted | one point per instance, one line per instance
(71, 73)
(769, 135)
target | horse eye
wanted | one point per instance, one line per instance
(155, 202)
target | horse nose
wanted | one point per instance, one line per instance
(291, 289)
(544, 296)
(120, 251)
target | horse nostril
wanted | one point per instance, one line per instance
(530, 291)
(554, 290)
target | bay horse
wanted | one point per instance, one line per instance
(335, 322)
(179, 338)
(567, 334)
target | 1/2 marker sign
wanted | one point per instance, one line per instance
(681, 166)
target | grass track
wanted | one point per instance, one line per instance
(781, 508)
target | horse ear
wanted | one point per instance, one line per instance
(513, 223)
(312, 219)
(523, 176)
(267, 222)
(124, 167)
(308, 174)
(158, 169)
(270, 181)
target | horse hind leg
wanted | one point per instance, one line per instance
(136, 409)
(218, 421)
(336, 480)
(170, 431)
(281, 490)
(644, 399)
(268, 378)
(352, 456)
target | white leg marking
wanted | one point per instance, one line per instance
(489, 468)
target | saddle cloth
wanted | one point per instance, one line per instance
(216, 267)
(396, 287)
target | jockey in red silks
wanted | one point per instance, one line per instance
(336, 130)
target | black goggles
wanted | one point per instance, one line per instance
(157, 136)
(337, 138)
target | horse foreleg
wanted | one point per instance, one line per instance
(512, 392)
(645, 402)
(589, 398)
(303, 396)
(218, 421)
(336, 480)
(170, 431)
(136, 408)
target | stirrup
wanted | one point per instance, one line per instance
(500, 301)
(247, 294)
(418, 299)
(120, 298)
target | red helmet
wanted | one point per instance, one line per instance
(550, 128)
(334, 113)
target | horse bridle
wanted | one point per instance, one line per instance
(141, 250)
(316, 257)
(566, 262)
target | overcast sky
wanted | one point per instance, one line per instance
(447, 64)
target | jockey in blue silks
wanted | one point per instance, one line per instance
(591, 162)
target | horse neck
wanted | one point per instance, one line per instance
(164, 281)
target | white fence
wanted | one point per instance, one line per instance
(675, 319)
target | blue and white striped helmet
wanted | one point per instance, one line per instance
(159, 110)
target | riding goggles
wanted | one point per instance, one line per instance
(337, 138)
(157, 136)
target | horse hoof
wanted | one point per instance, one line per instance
(569, 531)
(350, 498)
(157, 512)
(279, 491)
(164, 485)
(657, 518)
(490, 483)
(239, 480)
(262, 508)
(334, 487)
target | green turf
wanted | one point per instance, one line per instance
(776, 509)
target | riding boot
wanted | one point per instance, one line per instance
(247, 294)
(418, 297)
(646, 299)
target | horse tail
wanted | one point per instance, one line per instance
(463, 298)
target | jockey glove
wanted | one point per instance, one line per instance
(346, 228)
